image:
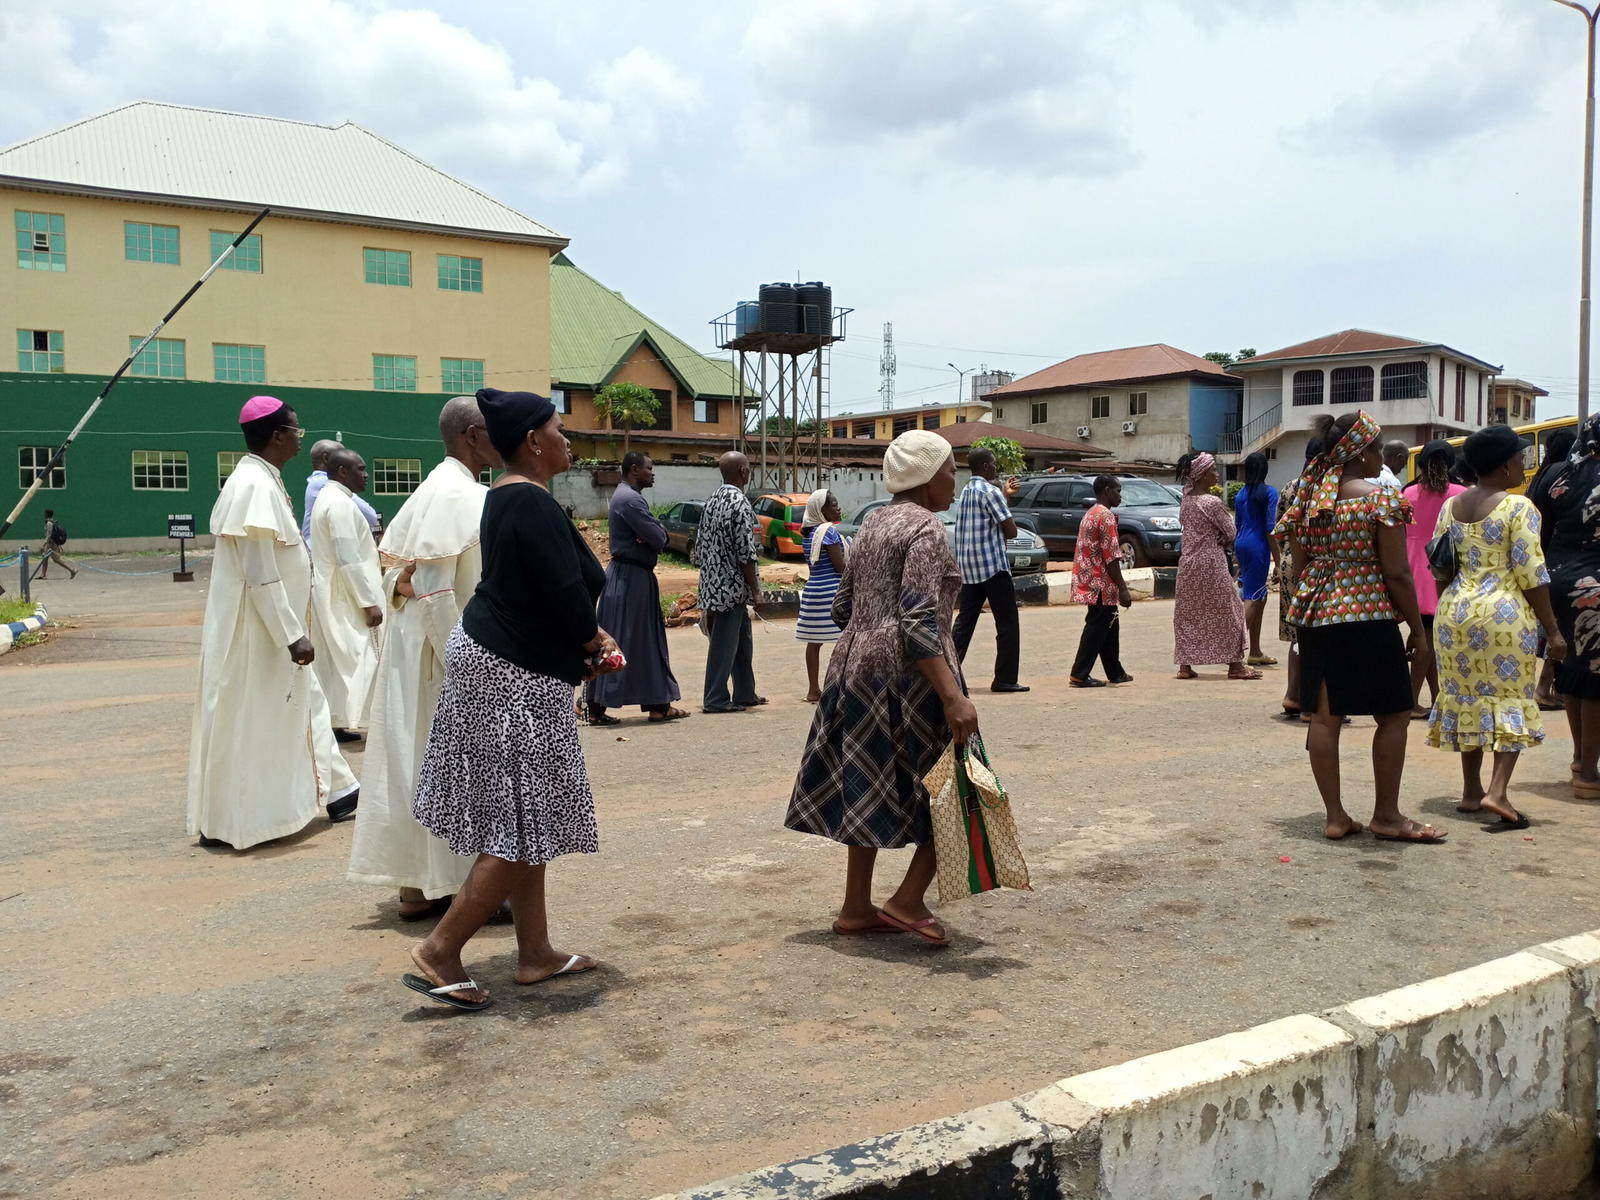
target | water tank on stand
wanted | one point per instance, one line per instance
(778, 311)
(747, 318)
(816, 308)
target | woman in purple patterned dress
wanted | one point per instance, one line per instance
(1207, 615)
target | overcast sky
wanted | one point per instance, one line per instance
(1010, 183)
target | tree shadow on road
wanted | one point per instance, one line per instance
(956, 958)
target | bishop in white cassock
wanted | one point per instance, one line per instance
(346, 592)
(431, 564)
(261, 752)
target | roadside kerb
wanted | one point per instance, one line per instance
(11, 631)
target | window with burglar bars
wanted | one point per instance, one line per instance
(392, 267)
(239, 364)
(161, 470)
(1350, 385)
(31, 460)
(246, 258)
(1099, 406)
(1404, 381)
(41, 241)
(461, 375)
(162, 359)
(227, 460)
(458, 274)
(394, 372)
(41, 350)
(396, 476)
(1308, 387)
(149, 243)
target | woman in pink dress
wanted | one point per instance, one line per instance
(1427, 496)
(1207, 616)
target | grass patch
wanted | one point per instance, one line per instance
(14, 608)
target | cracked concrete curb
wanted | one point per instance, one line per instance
(10, 632)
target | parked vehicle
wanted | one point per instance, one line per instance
(682, 523)
(779, 516)
(1025, 553)
(1053, 506)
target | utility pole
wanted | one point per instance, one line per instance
(887, 367)
(1590, 17)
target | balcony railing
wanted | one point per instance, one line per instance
(1235, 440)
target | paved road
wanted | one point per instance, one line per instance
(184, 1022)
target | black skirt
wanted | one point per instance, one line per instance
(1363, 664)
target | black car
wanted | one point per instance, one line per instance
(1147, 519)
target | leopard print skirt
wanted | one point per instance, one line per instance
(503, 772)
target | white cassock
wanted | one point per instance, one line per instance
(261, 754)
(344, 580)
(437, 529)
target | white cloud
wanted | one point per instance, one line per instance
(436, 88)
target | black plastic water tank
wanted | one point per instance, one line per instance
(778, 311)
(816, 308)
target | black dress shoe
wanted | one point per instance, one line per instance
(346, 735)
(211, 841)
(732, 708)
(1009, 687)
(1091, 682)
(343, 808)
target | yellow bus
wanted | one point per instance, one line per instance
(1533, 439)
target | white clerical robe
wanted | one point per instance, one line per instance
(344, 580)
(437, 529)
(261, 751)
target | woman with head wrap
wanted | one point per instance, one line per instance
(1427, 497)
(503, 776)
(825, 551)
(1570, 505)
(1349, 544)
(894, 696)
(1255, 512)
(1486, 630)
(1207, 615)
(1286, 582)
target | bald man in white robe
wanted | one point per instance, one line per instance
(347, 593)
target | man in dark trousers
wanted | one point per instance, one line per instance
(983, 527)
(1097, 581)
(725, 551)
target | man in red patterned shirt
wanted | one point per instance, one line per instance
(1097, 582)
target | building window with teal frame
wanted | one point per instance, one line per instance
(396, 476)
(33, 459)
(41, 350)
(457, 274)
(161, 470)
(392, 267)
(41, 241)
(246, 258)
(161, 359)
(239, 364)
(394, 372)
(227, 460)
(461, 376)
(149, 243)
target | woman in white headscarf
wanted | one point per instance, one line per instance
(825, 550)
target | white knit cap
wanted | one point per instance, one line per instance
(913, 458)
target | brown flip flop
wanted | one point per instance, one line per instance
(920, 928)
(878, 926)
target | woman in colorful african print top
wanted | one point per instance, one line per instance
(1352, 581)
(1486, 629)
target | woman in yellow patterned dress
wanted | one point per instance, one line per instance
(1487, 627)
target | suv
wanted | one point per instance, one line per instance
(1025, 553)
(1147, 519)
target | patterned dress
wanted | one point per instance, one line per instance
(1207, 616)
(1486, 632)
(880, 726)
(1570, 506)
(1342, 580)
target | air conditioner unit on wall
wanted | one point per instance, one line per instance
(1130, 427)
(1083, 431)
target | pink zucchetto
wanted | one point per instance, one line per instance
(257, 407)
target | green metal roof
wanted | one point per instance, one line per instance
(593, 331)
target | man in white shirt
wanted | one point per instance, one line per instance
(1396, 454)
(346, 594)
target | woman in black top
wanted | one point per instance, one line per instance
(503, 775)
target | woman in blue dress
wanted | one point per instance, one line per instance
(1255, 510)
(825, 556)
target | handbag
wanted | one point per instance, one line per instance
(1441, 551)
(974, 833)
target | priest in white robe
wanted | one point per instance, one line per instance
(431, 563)
(346, 594)
(261, 753)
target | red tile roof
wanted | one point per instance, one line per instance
(962, 436)
(1157, 361)
(1351, 341)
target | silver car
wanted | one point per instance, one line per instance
(1025, 553)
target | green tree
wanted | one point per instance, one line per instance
(627, 404)
(1008, 456)
(1223, 359)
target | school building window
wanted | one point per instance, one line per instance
(161, 470)
(461, 375)
(705, 412)
(41, 241)
(227, 460)
(1099, 406)
(394, 372)
(246, 258)
(1038, 412)
(392, 267)
(458, 274)
(41, 350)
(1308, 387)
(239, 364)
(930, 420)
(903, 425)
(163, 358)
(31, 460)
(396, 476)
(149, 243)
(1138, 403)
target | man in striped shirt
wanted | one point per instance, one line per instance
(983, 526)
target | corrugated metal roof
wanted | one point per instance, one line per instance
(593, 331)
(1355, 343)
(228, 159)
(1155, 361)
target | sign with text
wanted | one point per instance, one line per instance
(180, 525)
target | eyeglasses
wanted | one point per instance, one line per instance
(294, 429)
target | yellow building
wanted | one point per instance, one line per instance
(888, 425)
(374, 271)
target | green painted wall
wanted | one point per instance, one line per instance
(201, 418)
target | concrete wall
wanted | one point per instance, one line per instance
(1480, 1085)
(1181, 414)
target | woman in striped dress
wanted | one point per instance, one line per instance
(825, 551)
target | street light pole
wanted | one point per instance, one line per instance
(1588, 214)
(961, 377)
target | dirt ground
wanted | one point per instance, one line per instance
(187, 1022)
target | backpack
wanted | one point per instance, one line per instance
(58, 533)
